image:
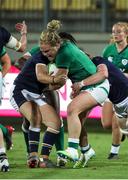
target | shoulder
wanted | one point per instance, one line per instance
(4, 37)
(39, 57)
(34, 50)
(4, 32)
(108, 48)
(3, 52)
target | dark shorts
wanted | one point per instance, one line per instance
(20, 96)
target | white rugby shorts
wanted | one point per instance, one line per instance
(100, 92)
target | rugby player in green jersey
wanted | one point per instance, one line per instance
(117, 53)
(52, 98)
(76, 65)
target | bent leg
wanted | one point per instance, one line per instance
(31, 112)
(52, 98)
(52, 121)
(82, 102)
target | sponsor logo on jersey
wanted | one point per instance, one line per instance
(110, 58)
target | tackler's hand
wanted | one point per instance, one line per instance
(21, 27)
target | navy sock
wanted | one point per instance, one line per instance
(49, 140)
(34, 138)
(85, 149)
(26, 141)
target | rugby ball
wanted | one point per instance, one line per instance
(52, 68)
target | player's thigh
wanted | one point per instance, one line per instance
(81, 103)
(52, 98)
(31, 112)
(88, 99)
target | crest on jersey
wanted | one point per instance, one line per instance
(124, 62)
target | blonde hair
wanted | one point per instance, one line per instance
(50, 36)
(123, 25)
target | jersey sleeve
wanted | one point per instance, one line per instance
(3, 52)
(4, 35)
(34, 50)
(40, 58)
(104, 52)
(63, 60)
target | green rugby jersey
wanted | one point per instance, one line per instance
(34, 50)
(3, 52)
(76, 61)
(119, 59)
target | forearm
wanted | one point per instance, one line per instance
(22, 28)
(5, 69)
(44, 77)
(54, 81)
(6, 64)
(100, 75)
(94, 79)
(23, 42)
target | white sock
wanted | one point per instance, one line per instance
(2, 150)
(74, 140)
(115, 149)
(34, 129)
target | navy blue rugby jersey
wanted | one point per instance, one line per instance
(27, 79)
(4, 37)
(118, 81)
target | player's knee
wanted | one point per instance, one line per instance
(53, 124)
(25, 125)
(71, 110)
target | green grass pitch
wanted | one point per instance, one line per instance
(98, 168)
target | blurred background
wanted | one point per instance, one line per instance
(90, 21)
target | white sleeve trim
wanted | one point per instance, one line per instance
(13, 43)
